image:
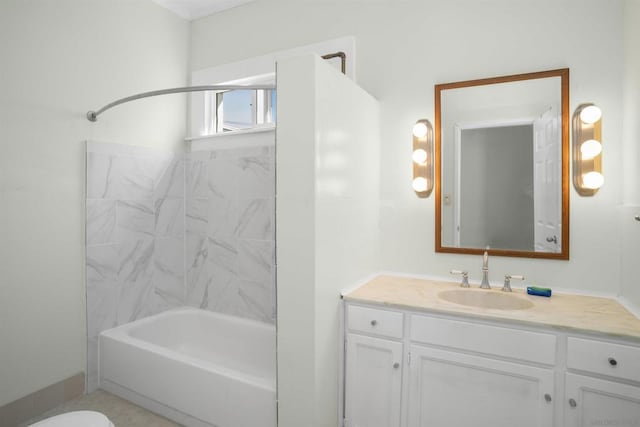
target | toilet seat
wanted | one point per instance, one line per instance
(76, 419)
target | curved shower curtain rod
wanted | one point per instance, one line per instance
(92, 115)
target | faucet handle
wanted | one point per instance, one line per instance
(465, 277)
(507, 281)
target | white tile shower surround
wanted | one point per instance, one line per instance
(134, 237)
(149, 249)
(230, 235)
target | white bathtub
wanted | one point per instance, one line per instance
(193, 366)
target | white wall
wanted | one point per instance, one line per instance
(59, 59)
(327, 216)
(406, 47)
(631, 99)
(295, 237)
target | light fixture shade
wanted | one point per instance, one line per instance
(422, 157)
(590, 148)
(420, 184)
(592, 180)
(590, 114)
(587, 149)
(420, 129)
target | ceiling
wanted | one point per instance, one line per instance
(194, 9)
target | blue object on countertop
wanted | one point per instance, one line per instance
(541, 292)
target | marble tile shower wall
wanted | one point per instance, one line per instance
(230, 249)
(134, 238)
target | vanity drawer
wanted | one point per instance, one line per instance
(517, 344)
(614, 360)
(375, 321)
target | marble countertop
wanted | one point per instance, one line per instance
(569, 312)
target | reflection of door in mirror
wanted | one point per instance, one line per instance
(547, 179)
(502, 165)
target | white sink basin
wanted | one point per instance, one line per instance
(485, 299)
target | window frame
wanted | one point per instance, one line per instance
(255, 71)
(262, 112)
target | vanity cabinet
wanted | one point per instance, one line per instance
(596, 402)
(593, 401)
(458, 390)
(412, 369)
(373, 380)
(461, 373)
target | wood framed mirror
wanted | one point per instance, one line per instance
(502, 165)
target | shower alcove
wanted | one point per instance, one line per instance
(200, 228)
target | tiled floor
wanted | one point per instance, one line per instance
(121, 412)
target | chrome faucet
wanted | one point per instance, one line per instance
(465, 277)
(485, 271)
(507, 281)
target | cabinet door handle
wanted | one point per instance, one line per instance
(547, 397)
(374, 322)
(612, 361)
(572, 403)
(396, 365)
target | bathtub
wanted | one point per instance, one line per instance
(195, 367)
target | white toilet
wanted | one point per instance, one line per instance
(76, 419)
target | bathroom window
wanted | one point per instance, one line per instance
(241, 109)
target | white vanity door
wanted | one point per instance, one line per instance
(459, 390)
(595, 402)
(373, 382)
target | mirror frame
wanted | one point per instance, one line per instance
(564, 89)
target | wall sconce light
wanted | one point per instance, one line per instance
(587, 149)
(422, 158)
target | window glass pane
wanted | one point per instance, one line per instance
(237, 110)
(273, 106)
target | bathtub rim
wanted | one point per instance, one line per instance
(186, 309)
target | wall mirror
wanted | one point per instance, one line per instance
(502, 165)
